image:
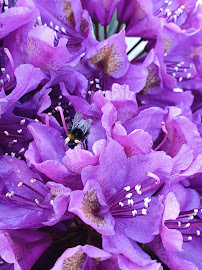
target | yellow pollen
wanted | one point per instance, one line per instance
(71, 137)
(107, 58)
(74, 262)
(69, 15)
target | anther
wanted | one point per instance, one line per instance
(129, 195)
(127, 188)
(198, 232)
(19, 131)
(188, 75)
(32, 180)
(2, 82)
(55, 35)
(144, 211)
(130, 202)
(187, 225)
(63, 30)
(10, 194)
(147, 200)
(57, 28)
(20, 184)
(21, 150)
(121, 204)
(6, 133)
(36, 201)
(22, 122)
(8, 77)
(51, 202)
(189, 238)
(179, 224)
(39, 20)
(51, 24)
(137, 188)
(134, 212)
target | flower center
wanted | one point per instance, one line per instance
(5, 78)
(130, 202)
(180, 70)
(14, 136)
(27, 195)
(169, 11)
(187, 223)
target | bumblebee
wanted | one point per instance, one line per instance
(78, 131)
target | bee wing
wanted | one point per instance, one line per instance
(88, 123)
(78, 117)
(69, 126)
(79, 122)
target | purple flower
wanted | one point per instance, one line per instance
(27, 79)
(46, 154)
(28, 200)
(151, 16)
(68, 20)
(107, 62)
(122, 193)
(85, 257)
(101, 148)
(15, 15)
(14, 135)
(17, 245)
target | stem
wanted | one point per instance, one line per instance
(97, 31)
(105, 32)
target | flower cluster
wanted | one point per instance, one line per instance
(100, 134)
